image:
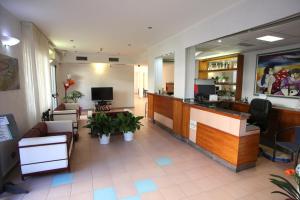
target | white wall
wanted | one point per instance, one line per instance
(120, 77)
(240, 16)
(168, 73)
(249, 78)
(12, 101)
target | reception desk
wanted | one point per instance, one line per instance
(219, 133)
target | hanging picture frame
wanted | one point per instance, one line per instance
(9, 73)
(278, 74)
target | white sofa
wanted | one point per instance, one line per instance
(46, 147)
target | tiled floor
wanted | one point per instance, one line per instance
(188, 174)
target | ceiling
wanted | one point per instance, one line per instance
(246, 41)
(112, 24)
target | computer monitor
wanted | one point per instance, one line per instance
(203, 91)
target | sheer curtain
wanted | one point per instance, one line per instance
(35, 47)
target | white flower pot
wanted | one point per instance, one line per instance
(128, 136)
(104, 139)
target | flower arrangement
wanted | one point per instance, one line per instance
(289, 190)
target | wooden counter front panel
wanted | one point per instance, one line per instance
(177, 116)
(163, 105)
(185, 120)
(217, 142)
(150, 106)
(235, 150)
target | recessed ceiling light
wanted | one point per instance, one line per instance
(71, 40)
(149, 27)
(219, 40)
(9, 41)
(269, 38)
(129, 45)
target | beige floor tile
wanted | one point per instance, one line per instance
(82, 196)
(59, 192)
(189, 188)
(152, 196)
(101, 182)
(172, 193)
(125, 189)
(81, 187)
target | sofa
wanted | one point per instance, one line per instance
(68, 111)
(46, 147)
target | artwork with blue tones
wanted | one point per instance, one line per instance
(62, 179)
(132, 198)
(164, 161)
(146, 185)
(105, 194)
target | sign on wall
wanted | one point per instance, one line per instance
(278, 74)
(9, 73)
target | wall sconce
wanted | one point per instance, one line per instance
(9, 41)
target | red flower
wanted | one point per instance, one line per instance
(289, 172)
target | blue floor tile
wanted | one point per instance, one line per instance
(132, 198)
(105, 194)
(62, 179)
(146, 185)
(164, 161)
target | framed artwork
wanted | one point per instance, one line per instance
(9, 73)
(278, 74)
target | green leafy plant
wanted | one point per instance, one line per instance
(73, 96)
(289, 190)
(101, 124)
(128, 122)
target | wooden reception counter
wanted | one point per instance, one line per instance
(219, 133)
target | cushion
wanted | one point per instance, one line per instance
(32, 133)
(61, 107)
(68, 134)
(42, 127)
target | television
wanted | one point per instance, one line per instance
(102, 94)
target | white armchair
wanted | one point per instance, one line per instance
(46, 147)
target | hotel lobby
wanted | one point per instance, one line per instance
(149, 100)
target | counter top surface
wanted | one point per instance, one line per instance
(209, 106)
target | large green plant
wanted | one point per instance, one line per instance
(74, 96)
(101, 124)
(128, 122)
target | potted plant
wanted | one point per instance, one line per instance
(289, 190)
(128, 124)
(101, 125)
(74, 96)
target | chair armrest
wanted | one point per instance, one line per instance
(64, 112)
(59, 126)
(72, 106)
(284, 130)
(37, 141)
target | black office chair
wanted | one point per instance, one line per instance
(260, 110)
(291, 147)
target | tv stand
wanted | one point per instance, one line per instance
(103, 106)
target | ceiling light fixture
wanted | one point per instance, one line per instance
(269, 38)
(129, 45)
(219, 40)
(149, 27)
(71, 40)
(9, 41)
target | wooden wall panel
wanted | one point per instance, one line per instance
(239, 79)
(235, 150)
(163, 105)
(177, 116)
(150, 106)
(279, 118)
(185, 120)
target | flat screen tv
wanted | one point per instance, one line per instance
(102, 94)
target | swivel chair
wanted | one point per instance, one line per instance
(260, 111)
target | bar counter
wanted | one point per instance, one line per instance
(221, 134)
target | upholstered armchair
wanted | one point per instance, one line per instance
(46, 147)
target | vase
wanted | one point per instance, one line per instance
(128, 136)
(104, 139)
